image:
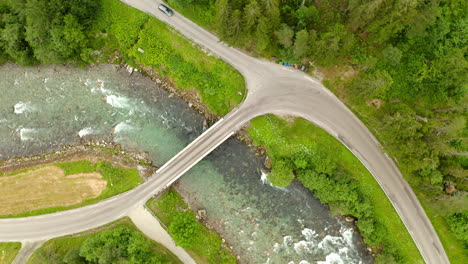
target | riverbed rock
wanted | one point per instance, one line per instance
(201, 214)
(267, 162)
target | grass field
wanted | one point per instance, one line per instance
(170, 54)
(8, 252)
(62, 186)
(207, 248)
(196, 12)
(58, 248)
(283, 139)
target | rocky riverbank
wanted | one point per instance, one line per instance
(92, 150)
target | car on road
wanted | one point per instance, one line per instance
(166, 10)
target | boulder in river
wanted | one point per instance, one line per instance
(201, 214)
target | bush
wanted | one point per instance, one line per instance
(282, 173)
(119, 245)
(184, 229)
(458, 223)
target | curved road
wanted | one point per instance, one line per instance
(271, 89)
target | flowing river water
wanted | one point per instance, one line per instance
(44, 108)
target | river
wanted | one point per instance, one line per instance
(47, 107)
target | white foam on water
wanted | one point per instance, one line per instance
(123, 127)
(303, 247)
(335, 249)
(276, 247)
(309, 245)
(25, 133)
(304, 262)
(87, 82)
(330, 244)
(117, 101)
(347, 234)
(16, 83)
(165, 120)
(264, 178)
(309, 234)
(23, 107)
(332, 258)
(86, 131)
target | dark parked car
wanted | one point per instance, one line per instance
(166, 10)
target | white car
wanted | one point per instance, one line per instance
(166, 10)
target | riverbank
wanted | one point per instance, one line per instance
(92, 150)
(299, 149)
(188, 229)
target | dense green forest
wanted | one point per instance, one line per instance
(400, 65)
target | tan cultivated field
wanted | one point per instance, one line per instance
(46, 187)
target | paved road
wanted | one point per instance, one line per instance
(271, 89)
(27, 249)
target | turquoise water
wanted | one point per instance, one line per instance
(44, 108)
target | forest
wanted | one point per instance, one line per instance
(400, 65)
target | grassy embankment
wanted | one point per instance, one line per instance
(8, 252)
(196, 12)
(52, 186)
(117, 242)
(170, 54)
(337, 178)
(203, 245)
